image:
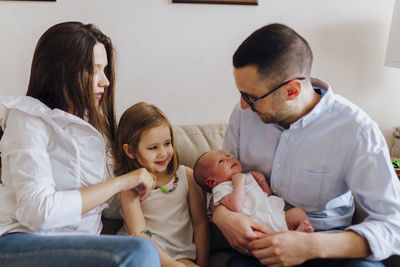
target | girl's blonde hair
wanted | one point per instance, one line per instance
(133, 123)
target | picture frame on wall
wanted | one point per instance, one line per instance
(31, 0)
(231, 2)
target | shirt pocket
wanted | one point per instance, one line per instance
(312, 190)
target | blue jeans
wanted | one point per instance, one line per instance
(238, 260)
(21, 249)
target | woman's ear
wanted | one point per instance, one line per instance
(128, 151)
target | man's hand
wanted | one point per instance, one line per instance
(283, 248)
(237, 228)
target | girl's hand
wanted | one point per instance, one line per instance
(140, 180)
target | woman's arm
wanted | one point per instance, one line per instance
(29, 169)
(94, 195)
(199, 220)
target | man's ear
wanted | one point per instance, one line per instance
(128, 151)
(210, 182)
(293, 89)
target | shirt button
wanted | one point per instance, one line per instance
(286, 135)
(277, 166)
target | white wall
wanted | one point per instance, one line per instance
(178, 56)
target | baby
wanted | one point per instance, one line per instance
(217, 172)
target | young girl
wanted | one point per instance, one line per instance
(174, 212)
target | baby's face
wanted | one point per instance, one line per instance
(222, 166)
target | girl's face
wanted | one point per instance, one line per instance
(100, 80)
(155, 149)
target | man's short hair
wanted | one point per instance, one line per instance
(278, 52)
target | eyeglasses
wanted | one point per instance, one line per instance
(250, 100)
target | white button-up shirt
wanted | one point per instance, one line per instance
(316, 163)
(46, 156)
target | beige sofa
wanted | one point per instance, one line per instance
(191, 142)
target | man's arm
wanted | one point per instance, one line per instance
(237, 228)
(294, 247)
(371, 177)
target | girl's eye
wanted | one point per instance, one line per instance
(168, 143)
(220, 161)
(152, 148)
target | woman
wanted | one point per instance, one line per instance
(54, 173)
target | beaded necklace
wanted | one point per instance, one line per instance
(174, 185)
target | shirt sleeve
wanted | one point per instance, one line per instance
(220, 191)
(370, 175)
(231, 140)
(39, 205)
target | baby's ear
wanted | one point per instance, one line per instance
(210, 182)
(128, 151)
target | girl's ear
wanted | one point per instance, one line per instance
(210, 182)
(128, 151)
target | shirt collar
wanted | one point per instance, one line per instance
(35, 107)
(323, 105)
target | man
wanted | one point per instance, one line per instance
(315, 147)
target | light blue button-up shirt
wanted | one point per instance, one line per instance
(330, 152)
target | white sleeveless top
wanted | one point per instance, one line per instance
(167, 217)
(269, 210)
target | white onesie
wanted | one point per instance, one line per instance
(269, 210)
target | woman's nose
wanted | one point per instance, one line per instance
(103, 81)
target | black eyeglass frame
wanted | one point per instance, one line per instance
(252, 102)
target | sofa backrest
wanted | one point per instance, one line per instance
(193, 140)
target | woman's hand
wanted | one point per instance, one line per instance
(140, 180)
(94, 195)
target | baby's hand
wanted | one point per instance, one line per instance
(258, 175)
(238, 177)
(262, 182)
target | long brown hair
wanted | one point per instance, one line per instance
(133, 123)
(62, 74)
